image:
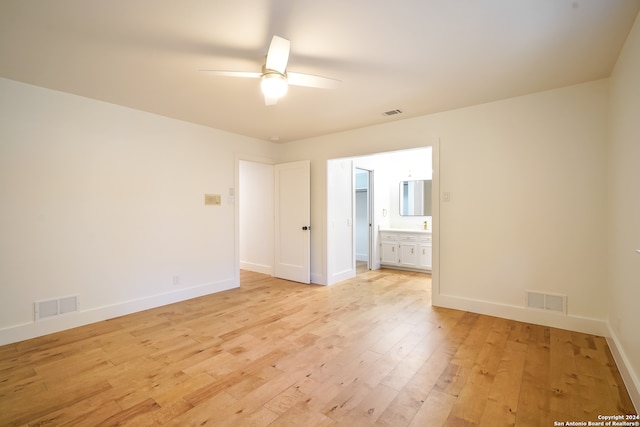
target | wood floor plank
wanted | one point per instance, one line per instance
(502, 400)
(435, 410)
(261, 418)
(299, 417)
(91, 411)
(566, 383)
(481, 375)
(287, 398)
(534, 403)
(23, 411)
(367, 351)
(205, 413)
(622, 399)
(130, 414)
(369, 409)
(442, 344)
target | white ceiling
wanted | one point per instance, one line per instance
(420, 56)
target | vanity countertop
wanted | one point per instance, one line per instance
(405, 230)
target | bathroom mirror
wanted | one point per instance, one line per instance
(415, 198)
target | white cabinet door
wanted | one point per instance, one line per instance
(389, 253)
(424, 256)
(408, 254)
(388, 249)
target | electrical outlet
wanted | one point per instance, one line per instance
(176, 280)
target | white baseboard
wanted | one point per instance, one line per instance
(629, 376)
(342, 275)
(258, 268)
(539, 317)
(34, 329)
(317, 279)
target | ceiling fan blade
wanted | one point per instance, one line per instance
(226, 73)
(278, 54)
(300, 79)
(270, 100)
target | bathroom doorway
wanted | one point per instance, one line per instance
(387, 170)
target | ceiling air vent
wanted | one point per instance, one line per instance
(392, 112)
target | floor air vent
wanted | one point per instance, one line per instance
(55, 307)
(549, 302)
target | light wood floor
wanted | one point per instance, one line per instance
(370, 350)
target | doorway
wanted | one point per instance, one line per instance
(388, 169)
(273, 223)
(363, 219)
(256, 216)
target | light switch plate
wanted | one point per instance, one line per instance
(212, 199)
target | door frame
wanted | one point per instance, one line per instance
(235, 201)
(434, 143)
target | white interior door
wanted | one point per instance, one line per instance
(292, 221)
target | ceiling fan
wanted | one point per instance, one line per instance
(274, 76)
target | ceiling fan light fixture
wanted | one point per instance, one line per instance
(274, 85)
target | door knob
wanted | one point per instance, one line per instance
(305, 228)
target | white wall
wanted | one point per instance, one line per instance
(527, 179)
(256, 208)
(623, 281)
(108, 203)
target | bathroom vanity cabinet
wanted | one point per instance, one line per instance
(406, 249)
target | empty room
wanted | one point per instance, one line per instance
(294, 212)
